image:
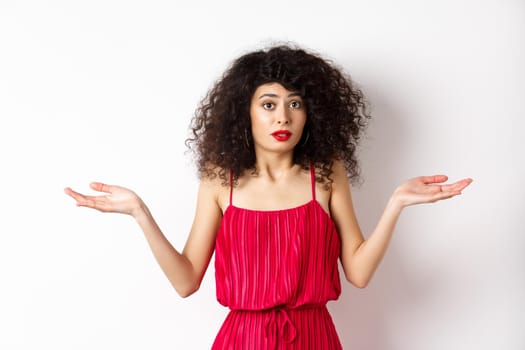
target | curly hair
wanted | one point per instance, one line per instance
(336, 114)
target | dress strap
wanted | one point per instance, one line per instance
(231, 186)
(312, 179)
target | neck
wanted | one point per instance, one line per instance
(274, 165)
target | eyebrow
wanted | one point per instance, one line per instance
(275, 95)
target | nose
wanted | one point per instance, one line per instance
(283, 117)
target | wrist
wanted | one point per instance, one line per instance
(140, 210)
(395, 203)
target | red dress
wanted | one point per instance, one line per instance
(275, 270)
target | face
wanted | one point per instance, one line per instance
(278, 116)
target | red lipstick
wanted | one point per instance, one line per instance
(282, 135)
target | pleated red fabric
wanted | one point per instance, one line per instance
(276, 270)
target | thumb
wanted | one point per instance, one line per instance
(101, 187)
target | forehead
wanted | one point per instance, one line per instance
(273, 90)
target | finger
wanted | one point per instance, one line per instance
(81, 199)
(434, 188)
(465, 182)
(444, 195)
(85, 201)
(434, 179)
(95, 202)
(101, 187)
(458, 186)
(75, 195)
(99, 203)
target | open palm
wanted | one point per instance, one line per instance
(429, 189)
(117, 200)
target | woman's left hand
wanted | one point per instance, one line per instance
(428, 189)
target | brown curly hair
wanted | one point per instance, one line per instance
(336, 114)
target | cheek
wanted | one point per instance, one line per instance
(302, 120)
(260, 116)
(259, 123)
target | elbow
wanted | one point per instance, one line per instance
(188, 290)
(358, 282)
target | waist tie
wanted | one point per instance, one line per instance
(279, 325)
(275, 327)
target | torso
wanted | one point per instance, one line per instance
(276, 264)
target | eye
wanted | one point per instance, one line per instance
(267, 105)
(296, 104)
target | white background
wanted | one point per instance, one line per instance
(104, 90)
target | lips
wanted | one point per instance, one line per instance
(282, 135)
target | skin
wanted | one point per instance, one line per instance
(278, 184)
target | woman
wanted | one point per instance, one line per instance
(275, 141)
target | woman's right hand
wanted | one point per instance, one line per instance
(117, 200)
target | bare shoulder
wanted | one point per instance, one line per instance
(328, 192)
(325, 190)
(213, 188)
(341, 205)
(338, 178)
(339, 175)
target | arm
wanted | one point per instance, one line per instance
(184, 270)
(361, 257)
